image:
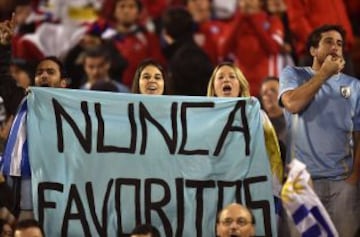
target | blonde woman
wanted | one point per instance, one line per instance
(227, 80)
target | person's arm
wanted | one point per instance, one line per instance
(9, 90)
(299, 22)
(272, 38)
(297, 99)
(228, 40)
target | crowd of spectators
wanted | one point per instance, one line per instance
(101, 44)
(260, 36)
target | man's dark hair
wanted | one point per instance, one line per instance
(28, 223)
(146, 229)
(178, 23)
(270, 78)
(315, 36)
(97, 52)
(138, 4)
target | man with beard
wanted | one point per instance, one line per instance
(49, 73)
(235, 220)
(323, 110)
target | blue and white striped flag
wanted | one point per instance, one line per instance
(16, 157)
(304, 206)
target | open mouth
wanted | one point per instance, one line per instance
(152, 88)
(45, 85)
(227, 89)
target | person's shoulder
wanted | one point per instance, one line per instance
(349, 77)
(291, 70)
(297, 68)
(349, 80)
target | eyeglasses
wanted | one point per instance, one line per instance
(239, 221)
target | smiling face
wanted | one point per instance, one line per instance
(151, 81)
(226, 83)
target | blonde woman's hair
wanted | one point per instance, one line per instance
(244, 84)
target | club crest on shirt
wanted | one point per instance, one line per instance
(345, 91)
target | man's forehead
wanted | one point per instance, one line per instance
(331, 34)
(234, 211)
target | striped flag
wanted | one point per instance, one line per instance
(303, 205)
(16, 157)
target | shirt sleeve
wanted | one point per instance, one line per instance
(288, 81)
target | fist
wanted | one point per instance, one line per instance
(332, 65)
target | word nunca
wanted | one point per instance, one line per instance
(176, 143)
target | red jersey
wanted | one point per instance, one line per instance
(207, 37)
(254, 41)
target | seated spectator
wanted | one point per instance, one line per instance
(235, 220)
(29, 228)
(145, 230)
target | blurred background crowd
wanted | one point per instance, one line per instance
(260, 36)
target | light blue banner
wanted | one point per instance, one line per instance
(103, 162)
